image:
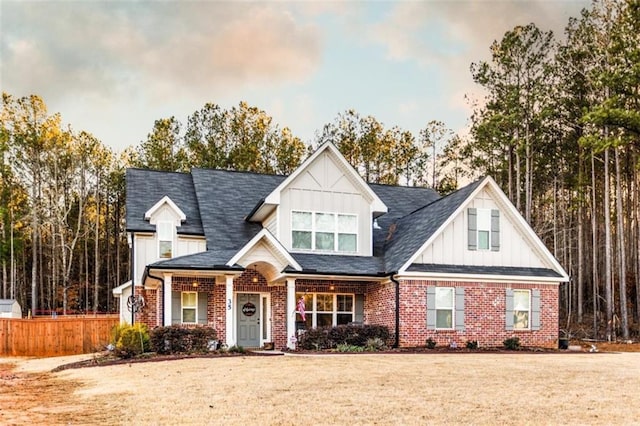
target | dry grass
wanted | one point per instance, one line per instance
(481, 388)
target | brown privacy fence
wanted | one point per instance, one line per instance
(55, 336)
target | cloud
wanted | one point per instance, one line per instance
(151, 48)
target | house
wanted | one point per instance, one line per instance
(236, 250)
(10, 308)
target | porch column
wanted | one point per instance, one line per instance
(166, 296)
(229, 339)
(291, 313)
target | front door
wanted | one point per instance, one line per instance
(248, 320)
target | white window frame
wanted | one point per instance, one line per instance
(516, 311)
(171, 227)
(336, 232)
(451, 309)
(183, 307)
(312, 311)
(483, 218)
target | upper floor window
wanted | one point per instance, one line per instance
(324, 231)
(165, 239)
(483, 231)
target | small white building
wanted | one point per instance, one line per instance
(10, 308)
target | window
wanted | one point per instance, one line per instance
(189, 307)
(444, 307)
(165, 239)
(324, 232)
(521, 309)
(325, 309)
(301, 230)
(483, 229)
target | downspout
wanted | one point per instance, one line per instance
(396, 344)
(147, 274)
(132, 276)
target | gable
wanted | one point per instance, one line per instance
(450, 246)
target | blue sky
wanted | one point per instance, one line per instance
(112, 68)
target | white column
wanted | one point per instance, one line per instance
(229, 340)
(291, 312)
(166, 295)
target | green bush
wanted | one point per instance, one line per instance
(512, 343)
(236, 349)
(353, 335)
(375, 344)
(344, 347)
(430, 343)
(176, 339)
(132, 340)
(472, 344)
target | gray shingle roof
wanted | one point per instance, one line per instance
(340, 264)
(216, 203)
(226, 198)
(146, 187)
(484, 270)
(413, 230)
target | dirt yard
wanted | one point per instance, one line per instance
(439, 388)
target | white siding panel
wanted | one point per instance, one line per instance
(145, 253)
(190, 245)
(271, 223)
(325, 187)
(450, 246)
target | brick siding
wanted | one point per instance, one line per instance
(484, 311)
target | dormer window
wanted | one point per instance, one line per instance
(165, 239)
(324, 232)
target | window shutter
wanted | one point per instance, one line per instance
(431, 307)
(459, 308)
(359, 317)
(495, 230)
(176, 307)
(202, 308)
(509, 310)
(535, 309)
(472, 229)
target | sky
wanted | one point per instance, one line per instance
(112, 68)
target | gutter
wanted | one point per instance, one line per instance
(147, 274)
(396, 344)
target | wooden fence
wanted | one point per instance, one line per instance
(55, 336)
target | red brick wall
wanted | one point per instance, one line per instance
(484, 315)
(484, 308)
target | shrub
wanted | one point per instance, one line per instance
(176, 339)
(472, 344)
(375, 344)
(236, 349)
(512, 343)
(431, 344)
(133, 340)
(354, 335)
(349, 348)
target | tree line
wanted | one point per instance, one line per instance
(558, 128)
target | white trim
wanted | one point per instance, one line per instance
(377, 205)
(291, 313)
(172, 226)
(519, 222)
(229, 310)
(160, 203)
(167, 302)
(264, 233)
(336, 233)
(117, 291)
(442, 276)
(452, 310)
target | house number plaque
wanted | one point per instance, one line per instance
(248, 309)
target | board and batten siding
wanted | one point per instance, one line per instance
(271, 223)
(325, 187)
(450, 247)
